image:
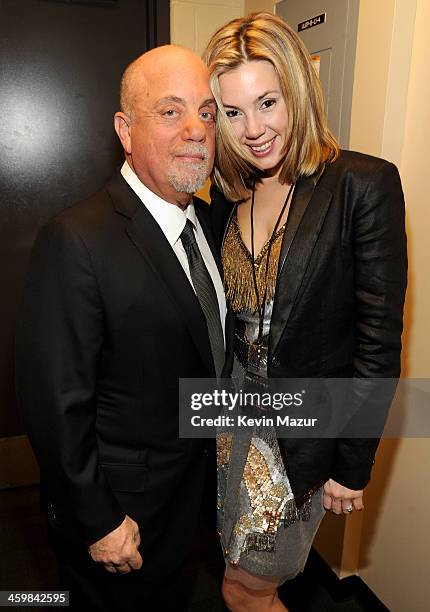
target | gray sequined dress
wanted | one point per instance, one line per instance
(261, 529)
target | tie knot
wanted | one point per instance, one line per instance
(187, 235)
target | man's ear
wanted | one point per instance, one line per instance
(122, 128)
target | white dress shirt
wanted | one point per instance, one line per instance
(171, 220)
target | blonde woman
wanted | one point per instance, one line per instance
(314, 253)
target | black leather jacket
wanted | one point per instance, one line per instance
(339, 299)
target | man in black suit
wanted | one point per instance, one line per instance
(112, 318)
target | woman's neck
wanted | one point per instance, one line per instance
(269, 198)
(270, 193)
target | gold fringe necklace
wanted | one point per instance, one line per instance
(250, 282)
(238, 275)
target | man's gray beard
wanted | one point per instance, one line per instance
(192, 179)
(188, 182)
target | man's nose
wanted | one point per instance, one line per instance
(194, 128)
(254, 126)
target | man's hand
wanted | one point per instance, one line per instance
(118, 550)
(340, 499)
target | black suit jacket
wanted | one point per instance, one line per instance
(108, 324)
(339, 300)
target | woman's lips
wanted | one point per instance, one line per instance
(262, 149)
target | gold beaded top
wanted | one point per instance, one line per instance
(238, 276)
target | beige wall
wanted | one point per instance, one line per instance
(371, 75)
(192, 22)
(415, 169)
(252, 6)
(395, 544)
(381, 78)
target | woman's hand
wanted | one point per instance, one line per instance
(340, 499)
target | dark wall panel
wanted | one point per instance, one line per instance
(60, 66)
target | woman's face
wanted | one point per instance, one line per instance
(253, 101)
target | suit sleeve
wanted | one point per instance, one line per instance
(380, 284)
(59, 341)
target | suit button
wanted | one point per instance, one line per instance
(276, 362)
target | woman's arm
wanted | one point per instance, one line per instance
(380, 259)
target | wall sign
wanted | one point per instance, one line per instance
(312, 22)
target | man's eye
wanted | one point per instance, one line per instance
(171, 112)
(207, 116)
(268, 103)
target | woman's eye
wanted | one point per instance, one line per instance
(268, 104)
(231, 114)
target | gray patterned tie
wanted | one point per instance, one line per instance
(206, 295)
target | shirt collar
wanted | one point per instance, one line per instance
(169, 217)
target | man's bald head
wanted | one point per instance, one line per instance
(167, 122)
(138, 76)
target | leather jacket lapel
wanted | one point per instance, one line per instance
(309, 207)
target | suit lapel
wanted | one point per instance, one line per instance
(147, 236)
(204, 221)
(309, 207)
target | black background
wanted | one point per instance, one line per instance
(60, 68)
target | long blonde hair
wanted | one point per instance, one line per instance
(309, 141)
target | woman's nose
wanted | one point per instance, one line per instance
(254, 126)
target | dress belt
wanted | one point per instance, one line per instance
(252, 356)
